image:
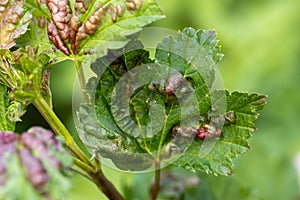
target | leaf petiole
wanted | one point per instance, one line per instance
(59, 128)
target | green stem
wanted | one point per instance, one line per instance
(96, 175)
(83, 166)
(81, 78)
(59, 128)
(156, 185)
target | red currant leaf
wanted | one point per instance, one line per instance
(98, 34)
(234, 140)
(37, 36)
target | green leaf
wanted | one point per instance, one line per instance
(233, 141)
(208, 40)
(5, 123)
(98, 129)
(37, 9)
(158, 107)
(14, 22)
(114, 35)
(24, 72)
(37, 37)
(194, 54)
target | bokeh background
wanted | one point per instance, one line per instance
(261, 43)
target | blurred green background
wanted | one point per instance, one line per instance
(261, 43)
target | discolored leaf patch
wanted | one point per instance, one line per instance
(14, 20)
(33, 164)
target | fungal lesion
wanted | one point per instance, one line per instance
(67, 30)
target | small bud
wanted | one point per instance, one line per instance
(138, 4)
(41, 22)
(133, 4)
(183, 131)
(202, 132)
(230, 117)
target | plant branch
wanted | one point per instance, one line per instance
(156, 185)
(81, 172)
(83, 166)
(59, 128)
(96, 175)
(105, 185)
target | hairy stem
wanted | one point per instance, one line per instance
(156, 185)
(59, 128)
